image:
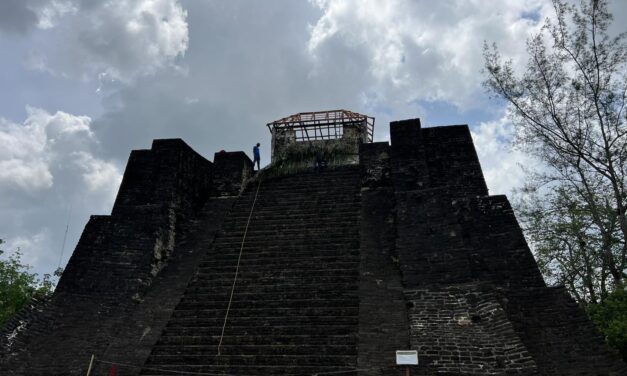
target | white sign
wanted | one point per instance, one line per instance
(404, 357)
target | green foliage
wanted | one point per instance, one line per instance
(566, 241)
(610, 316)
(301, 156)
(18, 286)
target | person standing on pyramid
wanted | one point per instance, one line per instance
(256, 156)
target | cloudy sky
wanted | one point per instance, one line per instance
(83, 82)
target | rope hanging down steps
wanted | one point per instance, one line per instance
(239, 258)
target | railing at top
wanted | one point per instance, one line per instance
(324, 125)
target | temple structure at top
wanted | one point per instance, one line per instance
(336, 134)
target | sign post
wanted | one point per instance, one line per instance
(407, 358)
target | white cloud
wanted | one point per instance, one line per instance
(23, 161)
(49, 13)
(47, 142)
(98, 175)
(120, 39)
(422, 50)
(48, 164)
(26, 244)
(502, 164)
(29, 175)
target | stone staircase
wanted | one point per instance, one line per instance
(295, 304)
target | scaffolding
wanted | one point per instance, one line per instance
(324, 125)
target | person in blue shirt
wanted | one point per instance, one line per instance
(256, 156)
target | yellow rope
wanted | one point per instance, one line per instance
(239, 258)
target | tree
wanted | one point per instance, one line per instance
(568, 109)
(18, 286)
(611, 318)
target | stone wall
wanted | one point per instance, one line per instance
(477, 301)
(383, 319)
(231, 172)
(462, 329)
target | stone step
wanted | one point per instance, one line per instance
(345, 220)
(277, 215)
(247, 286)
(230, 370)
(327, 216)
(344, 179)
(295, 200)
(282, 223)
(339, 184)
(295, 203)
(277, 269)
(267, 312)
(307, 276)
(220, 301)
(268, 244)
(287, 210)
(339, 280)
(305, 181)
(230, 252)
(207, 318)
(319, 239)
(332, 191)
(260, 266)
(227, 253)
(311, 234)
(293, 226)
(269, 267)
(306, 178)
(272, 200)
(294, 265)
(279, 260)
(202, 299)
(277, 303)
(322, 196)
(242, 349)
(252, 360)
(283, 258)
(255, 340)
(255, 322)
(229, 247)
(279, 283)
(230, 256)
(208, 275)
(282, 330)
(224, 248)
(194, 301)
